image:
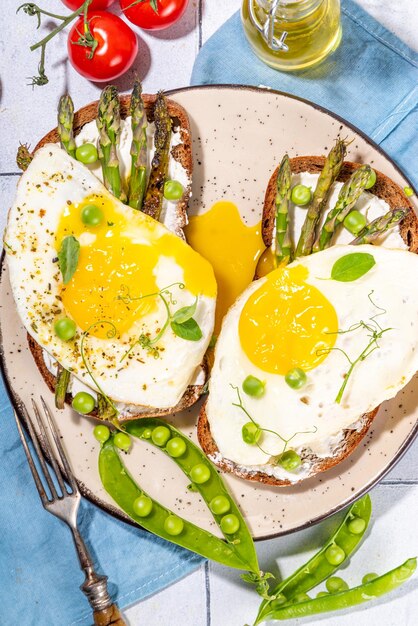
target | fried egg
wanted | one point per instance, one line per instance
(354, 340)
(131, 278)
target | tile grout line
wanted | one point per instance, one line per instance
(207, 591)
(400, 481)
(200, 20)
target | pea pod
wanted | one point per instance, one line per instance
(318, 568)
(352, 597)
(212, 487)
(123, 489)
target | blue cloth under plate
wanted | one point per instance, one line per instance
(39, 571)
(371, 80)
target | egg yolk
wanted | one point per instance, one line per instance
(287, 323)
(230, 246)
(118, 265)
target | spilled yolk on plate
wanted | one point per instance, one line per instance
(119, 257)
(231, 247)
(287, 323)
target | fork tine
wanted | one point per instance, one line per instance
(56, 435)
(50, 452)
(39, 452)
(36, 478)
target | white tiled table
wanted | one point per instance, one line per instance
(214, 596)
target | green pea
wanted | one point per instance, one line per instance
(371, 180)
(161, 435)
(301, 195)
(200, 473)
(142, 506)
(321, 594)
(229, 524)
(173, 525)
(65, 328)
(356, 526)
(83, 402)
(408, 191)
(367, 578)
(251, 433)
(101, 432)
(219, 505)
(334, 555)
(301, 597)
(335, 583)
(289, 460)
(254, 387)
(355, 222)
(92, 215)
(173, 190)
(147, 433)
(86, 153)
(176, 447)
(296, 378)
(122, 441)
(278, 601)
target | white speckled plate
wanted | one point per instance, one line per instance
(239, 134)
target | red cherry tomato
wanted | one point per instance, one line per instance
(116, 49)
(144, 14)
(95, 4)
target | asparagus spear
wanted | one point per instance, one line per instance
(159, 167)
(23, 157)
(105, 409)
(108, 124)
(283, 245)
(330, 171)
(380, 225)
(348, 196)
(61, 386)
(65, 124)
(138, 179)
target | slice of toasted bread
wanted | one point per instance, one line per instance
(181, 153)
(389, 191)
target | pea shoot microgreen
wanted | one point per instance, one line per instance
(286, 442)
(182, 322)
(68, 256)
(374, 332)
(104, 402)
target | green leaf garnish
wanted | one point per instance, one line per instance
(189, 330)
(68, 257)
(184, 314)
(352, 266)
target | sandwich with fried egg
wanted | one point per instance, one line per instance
(324, 334)
(119, 309)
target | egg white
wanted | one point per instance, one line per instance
(313, 408)
(52, 180)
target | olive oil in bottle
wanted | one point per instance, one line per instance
(292, 34)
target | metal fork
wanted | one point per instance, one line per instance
(65, 506)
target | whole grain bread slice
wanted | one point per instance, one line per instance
(389, 191)
(182, 153)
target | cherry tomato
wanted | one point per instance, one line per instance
(116, 49)
(144, 14)
(95, 4)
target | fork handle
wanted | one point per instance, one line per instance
(105, 612)
(109, 617)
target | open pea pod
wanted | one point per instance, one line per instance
(346, 539)
(124, 490)
(210, 489)
(351, 597)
